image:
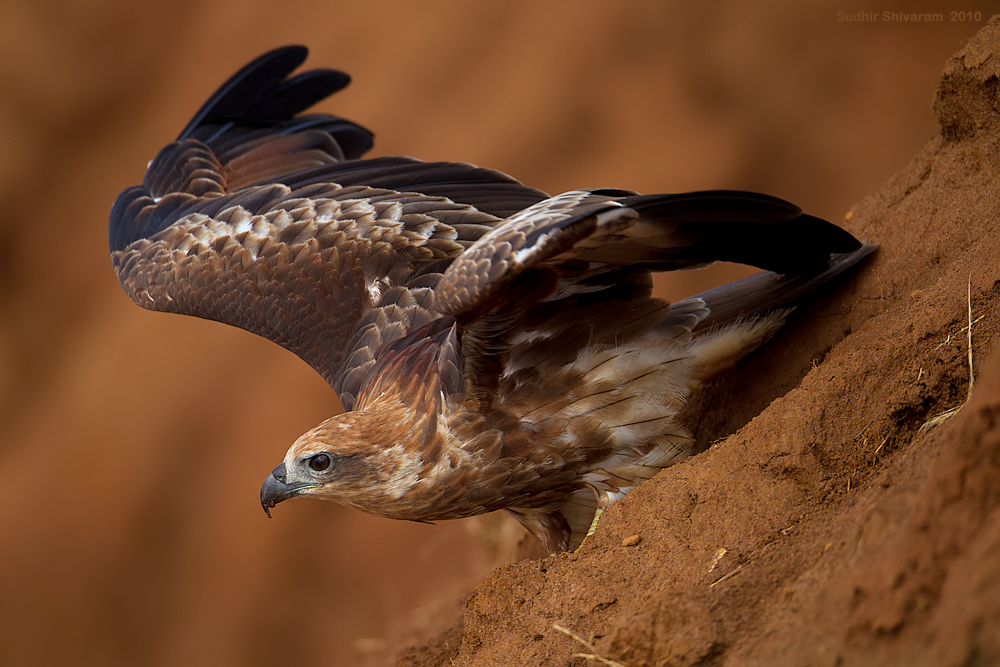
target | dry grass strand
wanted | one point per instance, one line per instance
(593, 655)
(942, 417)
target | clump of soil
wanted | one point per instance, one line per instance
(856, 518)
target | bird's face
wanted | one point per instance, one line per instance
(327, 462)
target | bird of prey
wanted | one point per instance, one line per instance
(493, 347)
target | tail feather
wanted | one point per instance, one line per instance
(767, 291)
(724, 346)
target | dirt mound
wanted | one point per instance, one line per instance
(854, 520)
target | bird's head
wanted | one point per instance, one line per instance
(329, 462)
(358, 459)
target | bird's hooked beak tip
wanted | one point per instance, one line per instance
(276, 489)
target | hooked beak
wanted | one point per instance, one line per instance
(276, 488)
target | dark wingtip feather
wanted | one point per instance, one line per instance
(263, 95)
(294, 96)
(247, 87)
(746, 228)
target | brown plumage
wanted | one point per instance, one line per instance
(495, 348)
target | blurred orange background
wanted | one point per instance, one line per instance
(133, 444)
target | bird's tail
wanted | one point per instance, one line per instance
(765, 291)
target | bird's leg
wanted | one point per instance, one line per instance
(602, 502)
(593, 524)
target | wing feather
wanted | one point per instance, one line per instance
(271, 222)
(573, 272)
(608, 229)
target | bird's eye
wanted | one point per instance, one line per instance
(319, 462)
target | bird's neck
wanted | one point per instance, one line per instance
(420, 467)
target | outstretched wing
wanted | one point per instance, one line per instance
(582, 232)
(271, 222)
(573, 271)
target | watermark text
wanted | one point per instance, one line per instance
(892, 16)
